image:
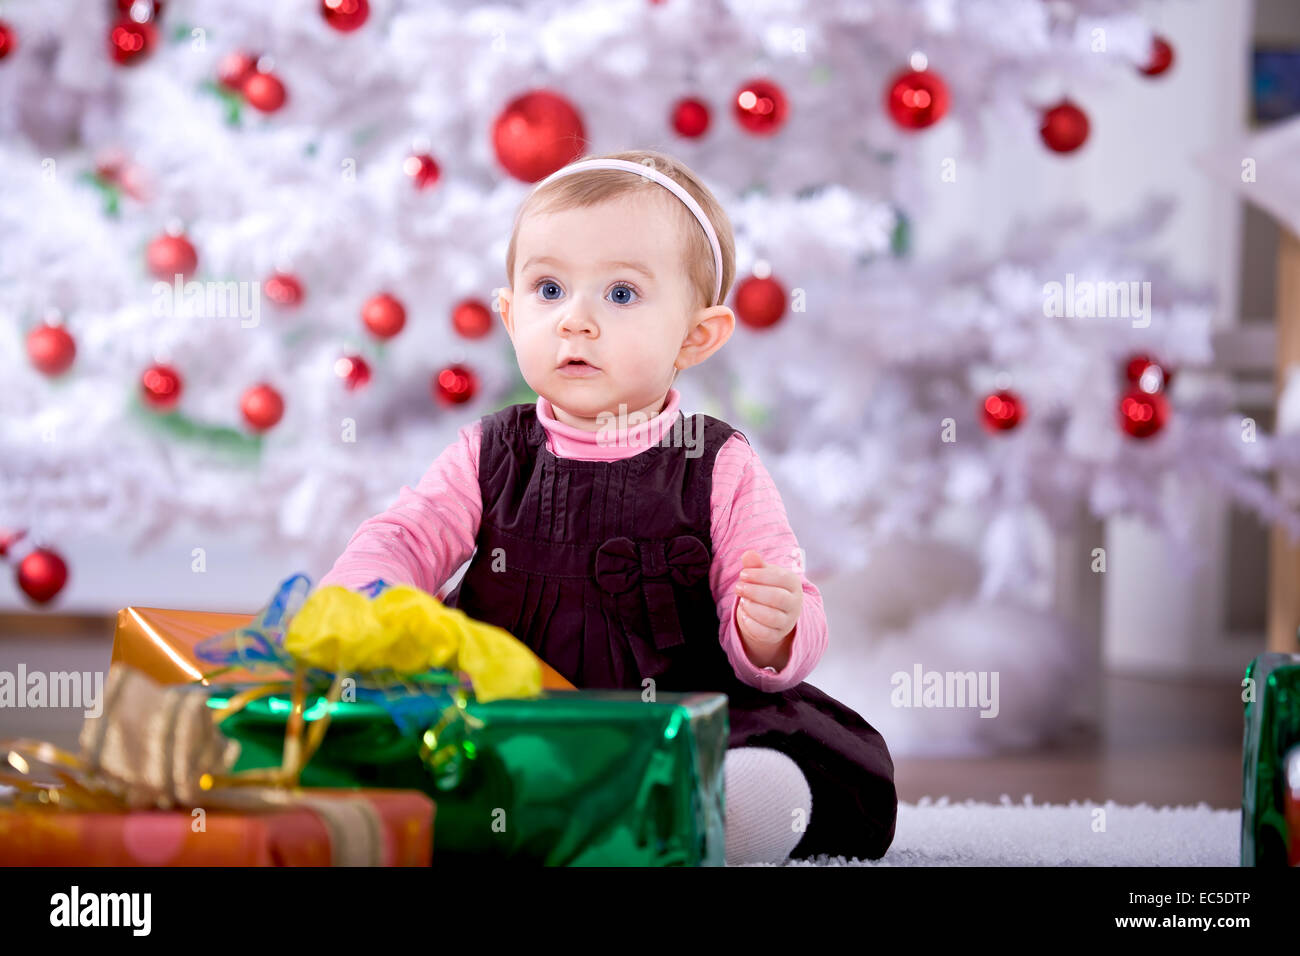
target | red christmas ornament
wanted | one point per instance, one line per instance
(690, 117)
(264, 91)
(536, 134)
(140, 10)
(354, 371)
(170, 254)
(42, 574)
(1065, 127)
(422, 169)
(8, 538)
(1002, 410)
(283, 289)
(760, 303)
(384, 316)
(51, 349)
(471, 319)
(455, 385)
(1161, 58)
(1142, 414)
(262, 407)
(8, 39)
(130, 42)
(161, 386)
(234, 69)
(345, 15)
(917, 98)
(1145, 373)
(760, 107)
(114, 167)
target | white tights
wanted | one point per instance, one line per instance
(765, 792)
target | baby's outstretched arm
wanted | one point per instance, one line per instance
(748, 515)
(428, 533)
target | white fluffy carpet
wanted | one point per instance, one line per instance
(941, 833)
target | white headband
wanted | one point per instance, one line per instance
(668, 183)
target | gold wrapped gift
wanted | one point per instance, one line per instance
(160, 643)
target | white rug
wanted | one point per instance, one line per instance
(942, 833)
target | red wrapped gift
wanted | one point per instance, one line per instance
(322, 827)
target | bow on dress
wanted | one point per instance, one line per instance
(622, 564)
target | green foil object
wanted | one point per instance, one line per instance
(570, 778)
(1272, 730)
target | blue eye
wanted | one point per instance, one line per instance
(546, 284)
(622, 287)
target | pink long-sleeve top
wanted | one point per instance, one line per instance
(429, 532)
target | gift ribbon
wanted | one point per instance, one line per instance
(162, 747)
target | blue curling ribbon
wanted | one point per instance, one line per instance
(413, 702)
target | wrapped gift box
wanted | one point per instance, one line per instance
(1272, 731)
(160, 642)
(339, 828)
(571, 778)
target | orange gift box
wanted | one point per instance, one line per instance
(160, 642)
(306, 834)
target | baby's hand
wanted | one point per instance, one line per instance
(771, 600)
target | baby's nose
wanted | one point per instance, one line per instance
(577, 318)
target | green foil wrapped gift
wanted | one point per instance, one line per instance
(1272, 731)
(569, 778)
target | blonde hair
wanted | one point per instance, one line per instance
(594, 186)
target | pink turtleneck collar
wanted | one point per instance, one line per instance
(566, 441)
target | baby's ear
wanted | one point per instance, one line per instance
(503, 305)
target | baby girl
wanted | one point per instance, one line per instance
(627, 544)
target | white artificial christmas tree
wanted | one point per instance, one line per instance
(864, 399)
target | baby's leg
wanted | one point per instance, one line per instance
(764, 789)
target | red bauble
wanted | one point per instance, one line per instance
(264, 91)
(345, 15)
(455, 385)
(42, 574)
(536, 134)
(1161, 58)
(1145, 373)
(1065, 127)
(1002, 410)
(760, 303)
(234, 69)
(51, 349)
(1142, 414)
(384, 316)
(917, 98)
(354, 370)
(8, 538)
(161, 386)
(422, 169)
(130, 42)
(690, 117)
(283, 289)
(760, 107)
(167, 255)
(8, 40)
(140, 10)
(262, 407)
(471, 319)
(114, 167)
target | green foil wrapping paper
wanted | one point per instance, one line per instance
(571, 778)
(1272, 730)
